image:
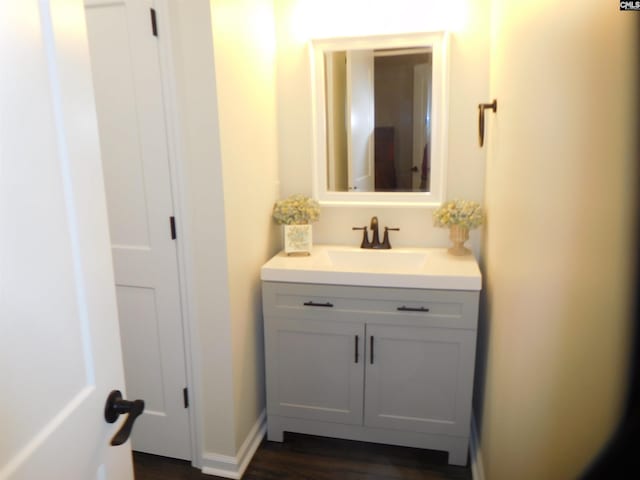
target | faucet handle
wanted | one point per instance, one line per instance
(365, 237)
(385, 240)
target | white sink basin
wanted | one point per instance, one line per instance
(431, 268)
(374, 260)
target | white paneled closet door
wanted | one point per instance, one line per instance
(131, 118)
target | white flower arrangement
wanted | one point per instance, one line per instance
(465, 213)
(296, 210)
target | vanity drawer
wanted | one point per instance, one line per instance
(437, 308)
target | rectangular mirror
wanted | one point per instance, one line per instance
(380, 119)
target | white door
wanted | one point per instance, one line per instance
(126, 74)
(361, 112)
(59, 341)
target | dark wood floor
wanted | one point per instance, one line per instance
(305, 457)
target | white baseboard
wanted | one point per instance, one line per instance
(477, 467)
(228, 466)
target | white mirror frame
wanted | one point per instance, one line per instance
(438, 41)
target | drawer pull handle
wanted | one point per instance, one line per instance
(371, 349)
(314, 304)
(357, 354)
(412, 309)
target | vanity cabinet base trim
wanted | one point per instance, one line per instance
(456, 446)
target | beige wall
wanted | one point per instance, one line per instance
(225, 83)
(244, 52)
(297, 21)
(559, 196)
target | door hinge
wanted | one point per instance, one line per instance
(154, 24)
(185, 396)
(172, 224)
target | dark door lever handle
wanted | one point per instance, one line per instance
(116, 406)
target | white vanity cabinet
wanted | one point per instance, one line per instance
(387, 365)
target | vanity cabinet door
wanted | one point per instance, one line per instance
(315, 369)
(419, 378)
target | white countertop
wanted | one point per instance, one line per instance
(430, 268)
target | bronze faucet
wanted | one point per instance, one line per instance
(375, 242)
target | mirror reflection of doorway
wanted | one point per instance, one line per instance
(402, 123)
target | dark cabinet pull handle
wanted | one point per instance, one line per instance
(314, 304)
(412, 309)
(357, 354)
(115, 407)
(371, 349)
